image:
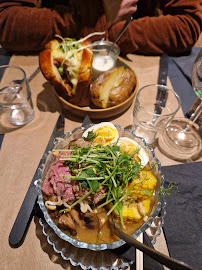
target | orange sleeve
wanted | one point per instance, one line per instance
(176, 31)
(23, 27)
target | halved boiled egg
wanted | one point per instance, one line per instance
(132, 147)
(106, 133)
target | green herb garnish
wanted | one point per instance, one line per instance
(96, 165)
(90, 137)
(60, 69)
(171, 185)
(66, 46)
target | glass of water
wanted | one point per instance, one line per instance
(155, 106)
(15, 95)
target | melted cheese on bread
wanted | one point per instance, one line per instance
(72, 62)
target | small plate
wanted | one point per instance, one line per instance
(98, 113)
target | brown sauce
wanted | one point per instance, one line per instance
(103, 235)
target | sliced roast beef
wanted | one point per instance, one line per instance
(80, 192)
(47, 187)
(99, 194)
(59, 185)
(79, 143)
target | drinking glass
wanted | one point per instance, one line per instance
(155, 106)
(15, 95)
(182, 140)
(105, 55)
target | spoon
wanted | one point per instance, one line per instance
(159, 257)
(122, 31)
(124, 28)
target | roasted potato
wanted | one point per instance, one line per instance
(112, 87)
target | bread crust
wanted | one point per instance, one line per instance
(81, 97)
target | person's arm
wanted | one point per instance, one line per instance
(23, 27)
(119, 10)
(176, 31)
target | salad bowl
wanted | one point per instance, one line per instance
(154, 212)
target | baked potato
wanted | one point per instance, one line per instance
(112, 87)
(68, 66)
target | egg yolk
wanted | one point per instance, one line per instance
(105, 135)
(129, 148)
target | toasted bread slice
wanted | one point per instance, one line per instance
(73, 83)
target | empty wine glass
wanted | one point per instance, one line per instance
(181, 140)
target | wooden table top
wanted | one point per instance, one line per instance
(22, 149)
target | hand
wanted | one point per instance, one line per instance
(119, 10)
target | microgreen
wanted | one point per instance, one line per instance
(90, 137)
(65, 46)
(171, 185)
(95, 166)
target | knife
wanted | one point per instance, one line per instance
(24, 217)
(161, 97)
(86, 121)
